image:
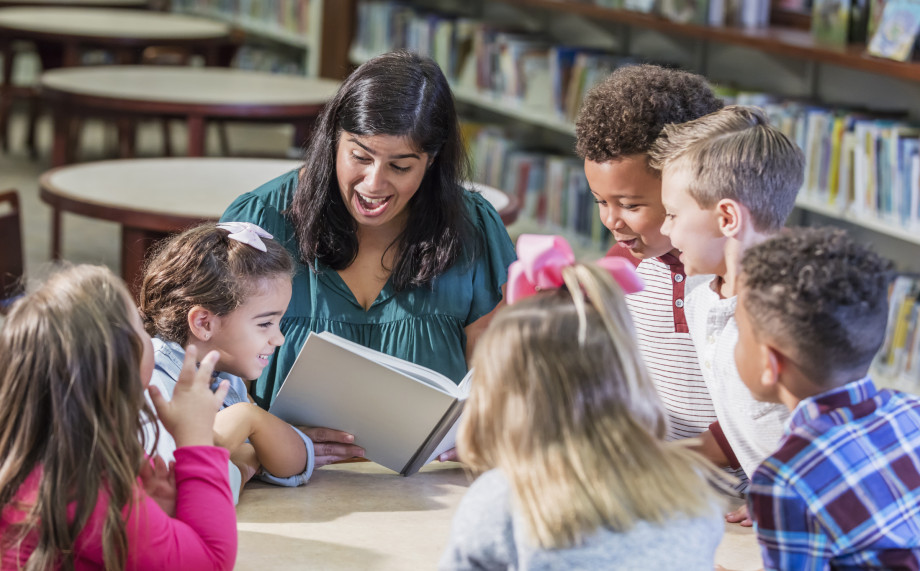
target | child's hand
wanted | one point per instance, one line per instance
(449, 456)
(160, 483)
(740, 516)
(189, 416)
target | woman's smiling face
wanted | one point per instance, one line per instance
(378, 175)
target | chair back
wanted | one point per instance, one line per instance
(11, 258)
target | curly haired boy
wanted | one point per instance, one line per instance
(619, 121)
(843, 489)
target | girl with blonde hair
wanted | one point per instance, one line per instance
(568, 430)
(76, 489)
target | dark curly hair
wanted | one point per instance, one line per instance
(203, 266)
(821, 296)
(623, 114)
(403, 94)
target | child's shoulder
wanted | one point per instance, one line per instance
(490, 486)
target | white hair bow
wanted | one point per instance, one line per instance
(247, 233)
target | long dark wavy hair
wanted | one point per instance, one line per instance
(399, 94)
(70, 396)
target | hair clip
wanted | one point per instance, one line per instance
(247, 233)
(541, 260)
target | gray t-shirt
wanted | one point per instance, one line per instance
(487, 535)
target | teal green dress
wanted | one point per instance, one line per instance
(423, 325)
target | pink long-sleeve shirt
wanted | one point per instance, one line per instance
(201, 536)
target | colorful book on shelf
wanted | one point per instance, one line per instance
(897, 32)
(899, 357)
(561, 61)
(402, 414)
(914, 212)
(907, 146)
(685, 11)
(876, 7)
(643, 6)
(830, 21)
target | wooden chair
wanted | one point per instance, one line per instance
(11, 257)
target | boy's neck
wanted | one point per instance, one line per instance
(797, 388)
(735, 246)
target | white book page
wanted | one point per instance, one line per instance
(417, 372)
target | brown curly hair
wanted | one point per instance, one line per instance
(821, 296)
(624, 114)
(203, 266)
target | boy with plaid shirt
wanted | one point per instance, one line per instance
(843, 489)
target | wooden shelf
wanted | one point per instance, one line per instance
(866, 221)
(310, 43)
(255, 27)
(546, 118)
(784, 41)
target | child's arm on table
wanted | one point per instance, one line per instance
(713, 446)
(278, 447)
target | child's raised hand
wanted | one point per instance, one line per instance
(189, 416)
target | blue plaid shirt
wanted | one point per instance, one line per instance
(843, 490)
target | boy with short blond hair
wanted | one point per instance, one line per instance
(619, 121)
(843, 488)
(729, 181)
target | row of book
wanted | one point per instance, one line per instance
(551, 188)
(857, 164)
(260, 58)
(743, 13)
(282, 16)
(898, 361)
(519, 67)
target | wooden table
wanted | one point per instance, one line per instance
(151, 198)
(142, 4)
(363, 516)
(61, 33)
(194, 94)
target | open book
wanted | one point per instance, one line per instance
(402, 414)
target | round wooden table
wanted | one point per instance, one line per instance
(61, 33)
(363, 516)
(151, 198)
(194, 94)
(142, 4)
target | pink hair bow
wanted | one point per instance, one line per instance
(540, 262)
(247, 233)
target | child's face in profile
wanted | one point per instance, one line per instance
(147, 361)
(629, 203)
(751, 354)
(693, 230)
(247, 336)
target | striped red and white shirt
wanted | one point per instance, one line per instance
(664, 340)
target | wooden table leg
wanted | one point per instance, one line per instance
(55, 233)
(127, 137)
(6, 93)
(135, 243)
(71, 56)
(60, 145)
(196, 136)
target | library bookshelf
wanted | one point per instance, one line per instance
(782, 41)
(295, 24)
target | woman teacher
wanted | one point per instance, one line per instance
(393, 252)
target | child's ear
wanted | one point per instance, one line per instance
(773, 366)
(202, 323)
(731, 215)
